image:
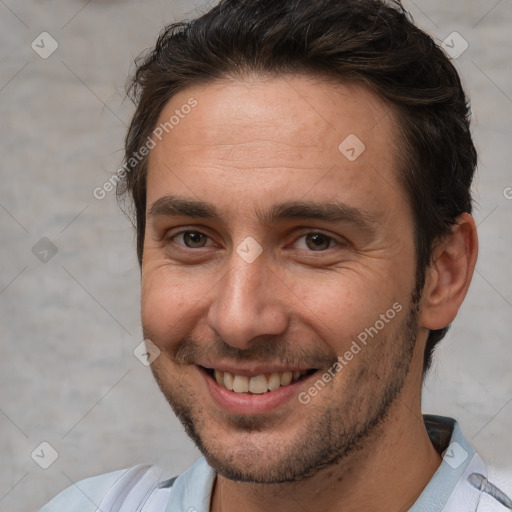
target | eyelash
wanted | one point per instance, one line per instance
(331, 239)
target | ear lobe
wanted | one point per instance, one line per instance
(449, 276)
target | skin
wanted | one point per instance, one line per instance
(247, 146)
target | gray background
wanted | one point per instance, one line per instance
(69, 325)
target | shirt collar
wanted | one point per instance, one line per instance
(449, 490)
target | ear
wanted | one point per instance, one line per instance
(449, 275)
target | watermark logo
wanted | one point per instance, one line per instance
(454, 45)
(150, 143)
(174, 120)
(455, 455)
(249, 249)
(352, 147)
(304, 397)
(44, 45)
(146, 352)
(44, 250)
(44, 455)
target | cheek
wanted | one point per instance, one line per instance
(172, 300)
(343, 305)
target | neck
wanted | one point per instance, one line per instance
(388, 473)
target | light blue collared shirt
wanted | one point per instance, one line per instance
(459, 485)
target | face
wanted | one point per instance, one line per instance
(277, 272)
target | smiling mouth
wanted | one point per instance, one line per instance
(257, 384)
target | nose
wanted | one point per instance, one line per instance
(247, 303)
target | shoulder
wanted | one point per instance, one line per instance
(108, 490)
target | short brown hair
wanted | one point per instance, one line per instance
(369, 41)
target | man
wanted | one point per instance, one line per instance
(300, 172)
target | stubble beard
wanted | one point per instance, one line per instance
(327, 436)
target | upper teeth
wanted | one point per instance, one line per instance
(256, 384)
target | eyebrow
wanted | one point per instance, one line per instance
(331, 211)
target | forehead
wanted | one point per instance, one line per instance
(298, 134)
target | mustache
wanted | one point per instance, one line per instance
(265, 350)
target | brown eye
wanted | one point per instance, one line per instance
(317, 241)
(193, 239)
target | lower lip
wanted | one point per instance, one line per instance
(246, 403)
